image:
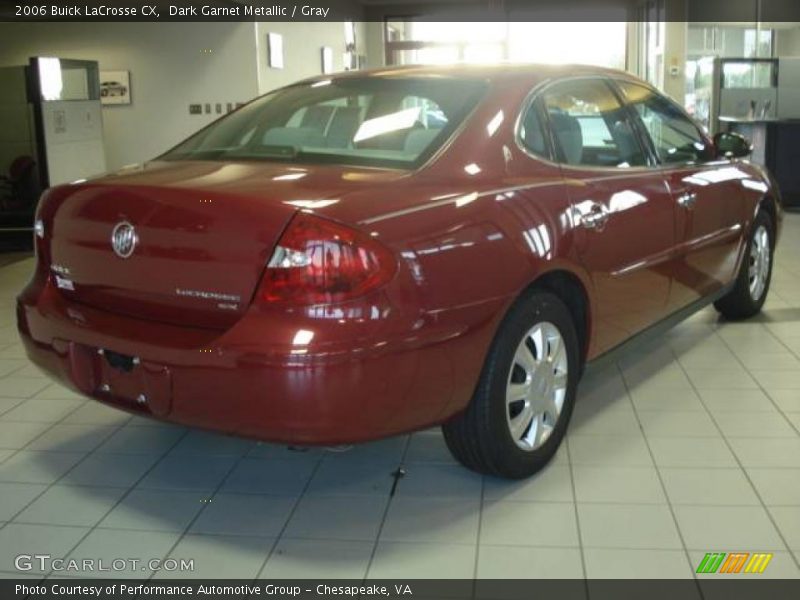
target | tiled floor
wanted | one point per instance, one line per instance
(692, 446)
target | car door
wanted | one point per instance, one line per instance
(622, 209)
(706, 192)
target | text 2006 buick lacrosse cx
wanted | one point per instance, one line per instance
(372, 253)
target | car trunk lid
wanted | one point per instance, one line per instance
(203, 232)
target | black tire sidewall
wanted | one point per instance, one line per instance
(511, 460)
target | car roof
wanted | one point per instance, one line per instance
(529, 72)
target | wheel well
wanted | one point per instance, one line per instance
(570, 290)
(767, 204)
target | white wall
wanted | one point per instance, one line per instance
(787, 42)
(173, 65)
(302, 46)
(170, 66)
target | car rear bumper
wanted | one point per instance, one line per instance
(336, 376)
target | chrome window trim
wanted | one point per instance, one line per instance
(531, 98)
(669, 166)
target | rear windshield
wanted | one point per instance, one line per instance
(359, 121)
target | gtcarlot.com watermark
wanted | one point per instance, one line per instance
(46, 563)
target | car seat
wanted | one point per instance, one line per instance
(567, 130)
(343, 126)
(419, 139)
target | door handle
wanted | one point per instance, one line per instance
(596, 217)
(687, 199)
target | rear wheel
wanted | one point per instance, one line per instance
(524, 398)
(752, 283)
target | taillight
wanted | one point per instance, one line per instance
(319, 262)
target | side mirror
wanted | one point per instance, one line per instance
(732, 145)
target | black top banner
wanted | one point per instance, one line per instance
(380, 10)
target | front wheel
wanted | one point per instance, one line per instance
(525, 395)
(752, 282)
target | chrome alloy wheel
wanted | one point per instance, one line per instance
(537, 386)
(758, 270)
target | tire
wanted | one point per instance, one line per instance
(489, 436)
(755, 273)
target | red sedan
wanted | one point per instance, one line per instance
(373, 253)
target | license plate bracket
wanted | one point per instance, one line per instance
(131, 382)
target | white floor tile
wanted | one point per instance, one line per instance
(318, 559)
(628, 526)
(715, 487)
(529, 524)
(777, 486)
(423, 561)
(608, 563)
(638, 485)
(504, 562)
(441, 520)
(71, 505)
(713, 527)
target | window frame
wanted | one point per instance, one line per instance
(644, 133)
(533, 102)
(534, 98)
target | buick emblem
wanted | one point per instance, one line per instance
(124, 239)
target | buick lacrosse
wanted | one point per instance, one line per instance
(371, 253)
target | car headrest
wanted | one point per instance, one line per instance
(317, 117)
(532, 132)
(293, 136)
(627, 145)
(343, 127)
(568, 132)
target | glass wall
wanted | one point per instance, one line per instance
(421, 42)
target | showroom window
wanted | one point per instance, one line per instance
(675, 138)
(422, 42)
(590, 126)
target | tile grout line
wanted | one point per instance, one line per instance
(209, 496)
(476, 562)
(292, 511)
(48, 486)
(758, 383)
(386, 511)
(581, 547)
(658, 472)
(741, 466)
(120, 499)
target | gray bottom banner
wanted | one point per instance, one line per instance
(434, 589)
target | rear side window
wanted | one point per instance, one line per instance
(372, 121)
(531, 130)
(676, 139)
(590, 126)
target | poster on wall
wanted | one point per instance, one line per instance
(115, 87)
